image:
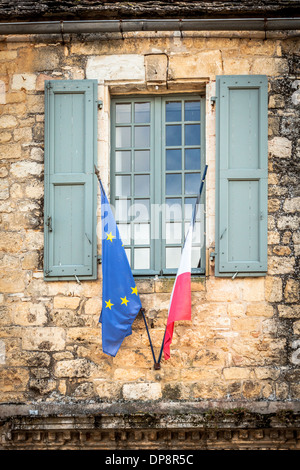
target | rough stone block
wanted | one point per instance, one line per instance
(6, 56)
(24, 81)
(142, 391)
(66, 302)
(286, 311)
(201, 65)
(156, 67)
(29, 314)
(93, 306)
(26, 168)
(43, 339)
(281, 265)
(260, 310)
(236, 373)
(269, 66)
(8, 121)
(223, 289)
(107, 390)
(280, 147)
(73, 368)
(288, 222)
(291, 291)
(254, 289)
(116, 67)
(127, 375)
(273, 289)
(13, 379)
(292, 205)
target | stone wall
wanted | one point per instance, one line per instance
(243, 341)
(26, 10)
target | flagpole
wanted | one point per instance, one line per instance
(156, 364)
(193, 219)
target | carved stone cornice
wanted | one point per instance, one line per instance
(149, 426)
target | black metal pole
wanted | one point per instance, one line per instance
(156, 365)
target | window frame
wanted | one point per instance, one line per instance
(157, 168)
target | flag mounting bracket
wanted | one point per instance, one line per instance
(97, 172)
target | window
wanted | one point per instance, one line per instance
(156, 164)
(156, 161)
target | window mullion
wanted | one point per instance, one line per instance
(157, 183)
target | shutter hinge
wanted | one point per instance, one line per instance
(100, 104)
(212, 255)
(213, 99)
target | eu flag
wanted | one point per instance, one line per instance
(120, 299)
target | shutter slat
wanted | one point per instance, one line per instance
(70, 189)
(241, 176)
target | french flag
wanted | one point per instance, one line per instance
(180, 304)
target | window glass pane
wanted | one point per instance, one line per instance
(192, 183)
(124, 230)
(173, 183)
(173, 135)
(122, 209)
(192, 134)
(192, 159)
(142, 258)
(128, 253)
(189, 204)
(141, 185)
(142, 136)
(123, 113)
(173, 159)
(173, 209)
(173, 111)
(142, 160)
(173, 257)
(140, 210)
(123, 160)
(196, 231)
(123, 186)
(141, 234)
(195, 257)
(123, 137)
(192, 111)
(173, 232)
(141, 112)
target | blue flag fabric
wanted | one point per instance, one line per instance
(120, 299)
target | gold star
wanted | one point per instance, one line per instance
(124, 301)
(108, 304)
(110, 236)
(134, 290)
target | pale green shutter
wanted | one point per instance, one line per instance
(241, 175)
(70, 183)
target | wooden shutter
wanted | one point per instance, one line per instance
(70, 183)
(241, 172)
